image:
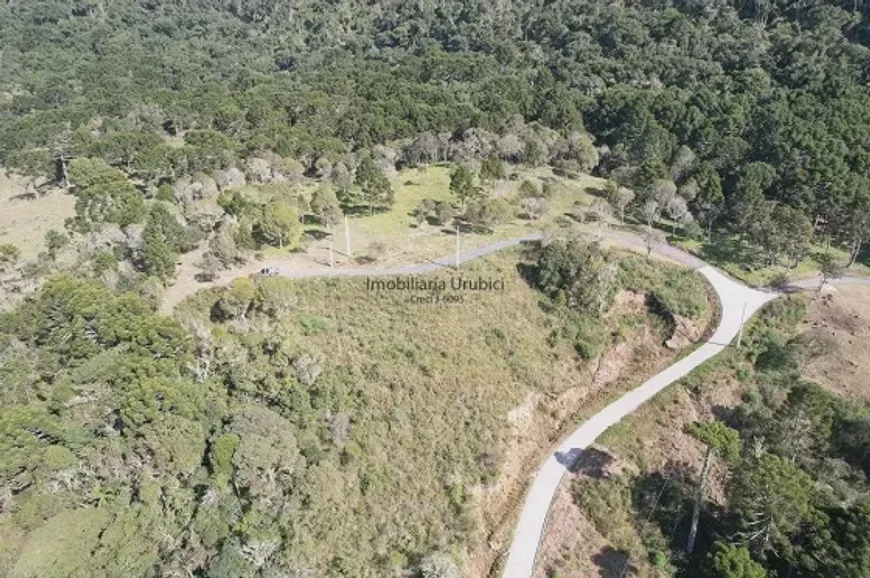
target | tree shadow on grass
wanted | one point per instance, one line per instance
(590, 462)
(722, 249)
(317, 234)
(352, 210)
(529, 273)
(663, 501)
(613, 563)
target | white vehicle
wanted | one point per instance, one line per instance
(270, 271)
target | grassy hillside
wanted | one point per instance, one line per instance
(308, 426)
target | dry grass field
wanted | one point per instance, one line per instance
(24, 222)
(840, 322)
(465, 396)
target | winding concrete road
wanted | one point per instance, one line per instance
(738, 304)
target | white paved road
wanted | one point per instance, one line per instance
(738, 302)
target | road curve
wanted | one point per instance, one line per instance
(738, 303)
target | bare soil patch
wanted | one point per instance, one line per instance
(841, 321)
(653, 439)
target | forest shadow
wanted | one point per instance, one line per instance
(664, 500)
(864, 255)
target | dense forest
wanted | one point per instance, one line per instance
(752, 116)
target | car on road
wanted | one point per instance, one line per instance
(270, 271)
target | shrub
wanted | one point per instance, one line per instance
(376, 251)
(486, 213)
(444, 213)
(529, 189)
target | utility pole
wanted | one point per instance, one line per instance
(331, 259)
(457, 246)
(742, 319)
(346, 237)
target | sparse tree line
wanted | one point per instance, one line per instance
(237, 206)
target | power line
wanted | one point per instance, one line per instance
(648, 519)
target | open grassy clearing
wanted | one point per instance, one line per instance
(25, 221)
(737, 258)
(404, 241)
(838, 322)
(450, 405)
(744, 261)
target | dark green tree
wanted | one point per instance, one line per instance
(375, 189)
(771, 498)
(492, 168)
(462, 184)
(279, 224)
(54, 242)
(729, 561)
(720, 440)
(162, 240)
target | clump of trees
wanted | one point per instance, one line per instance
(581, 275)
(582, 280)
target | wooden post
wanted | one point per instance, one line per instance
(331, 258)
(346, 237)
(457, 246)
